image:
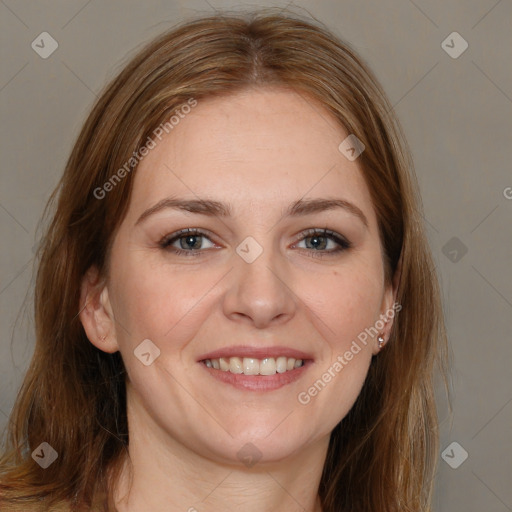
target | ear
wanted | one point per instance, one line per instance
(389, 306)
(96, 312)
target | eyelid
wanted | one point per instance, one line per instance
(167, 239)
(342, 242)
(340, 239)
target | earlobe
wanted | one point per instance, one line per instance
(390, 308)
(385, 321)
(96, 312)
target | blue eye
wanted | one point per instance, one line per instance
(189, 240)
(324, 242)
(319, 242)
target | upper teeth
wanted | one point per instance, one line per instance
(251, 366)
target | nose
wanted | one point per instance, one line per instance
(259, 293)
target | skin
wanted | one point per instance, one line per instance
(259, 150)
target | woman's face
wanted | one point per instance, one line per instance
(255, 285)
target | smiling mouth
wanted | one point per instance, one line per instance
(253, 366)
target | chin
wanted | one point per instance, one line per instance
(259, 446)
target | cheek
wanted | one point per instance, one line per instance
(347, 300)
(158, 302)
(347, 306)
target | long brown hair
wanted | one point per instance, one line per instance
(382, 456)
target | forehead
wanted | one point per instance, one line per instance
(263, 147)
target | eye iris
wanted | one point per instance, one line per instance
(317, 242)
(192, 241)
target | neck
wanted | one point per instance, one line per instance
(163, 474)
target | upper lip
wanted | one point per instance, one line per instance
(258, 352)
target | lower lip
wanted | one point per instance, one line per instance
(258, 382)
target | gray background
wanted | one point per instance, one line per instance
(456, 113)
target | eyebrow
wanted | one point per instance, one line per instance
(212, 208)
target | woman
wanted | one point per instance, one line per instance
(235, 301)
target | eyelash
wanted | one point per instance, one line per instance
(343, 243)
